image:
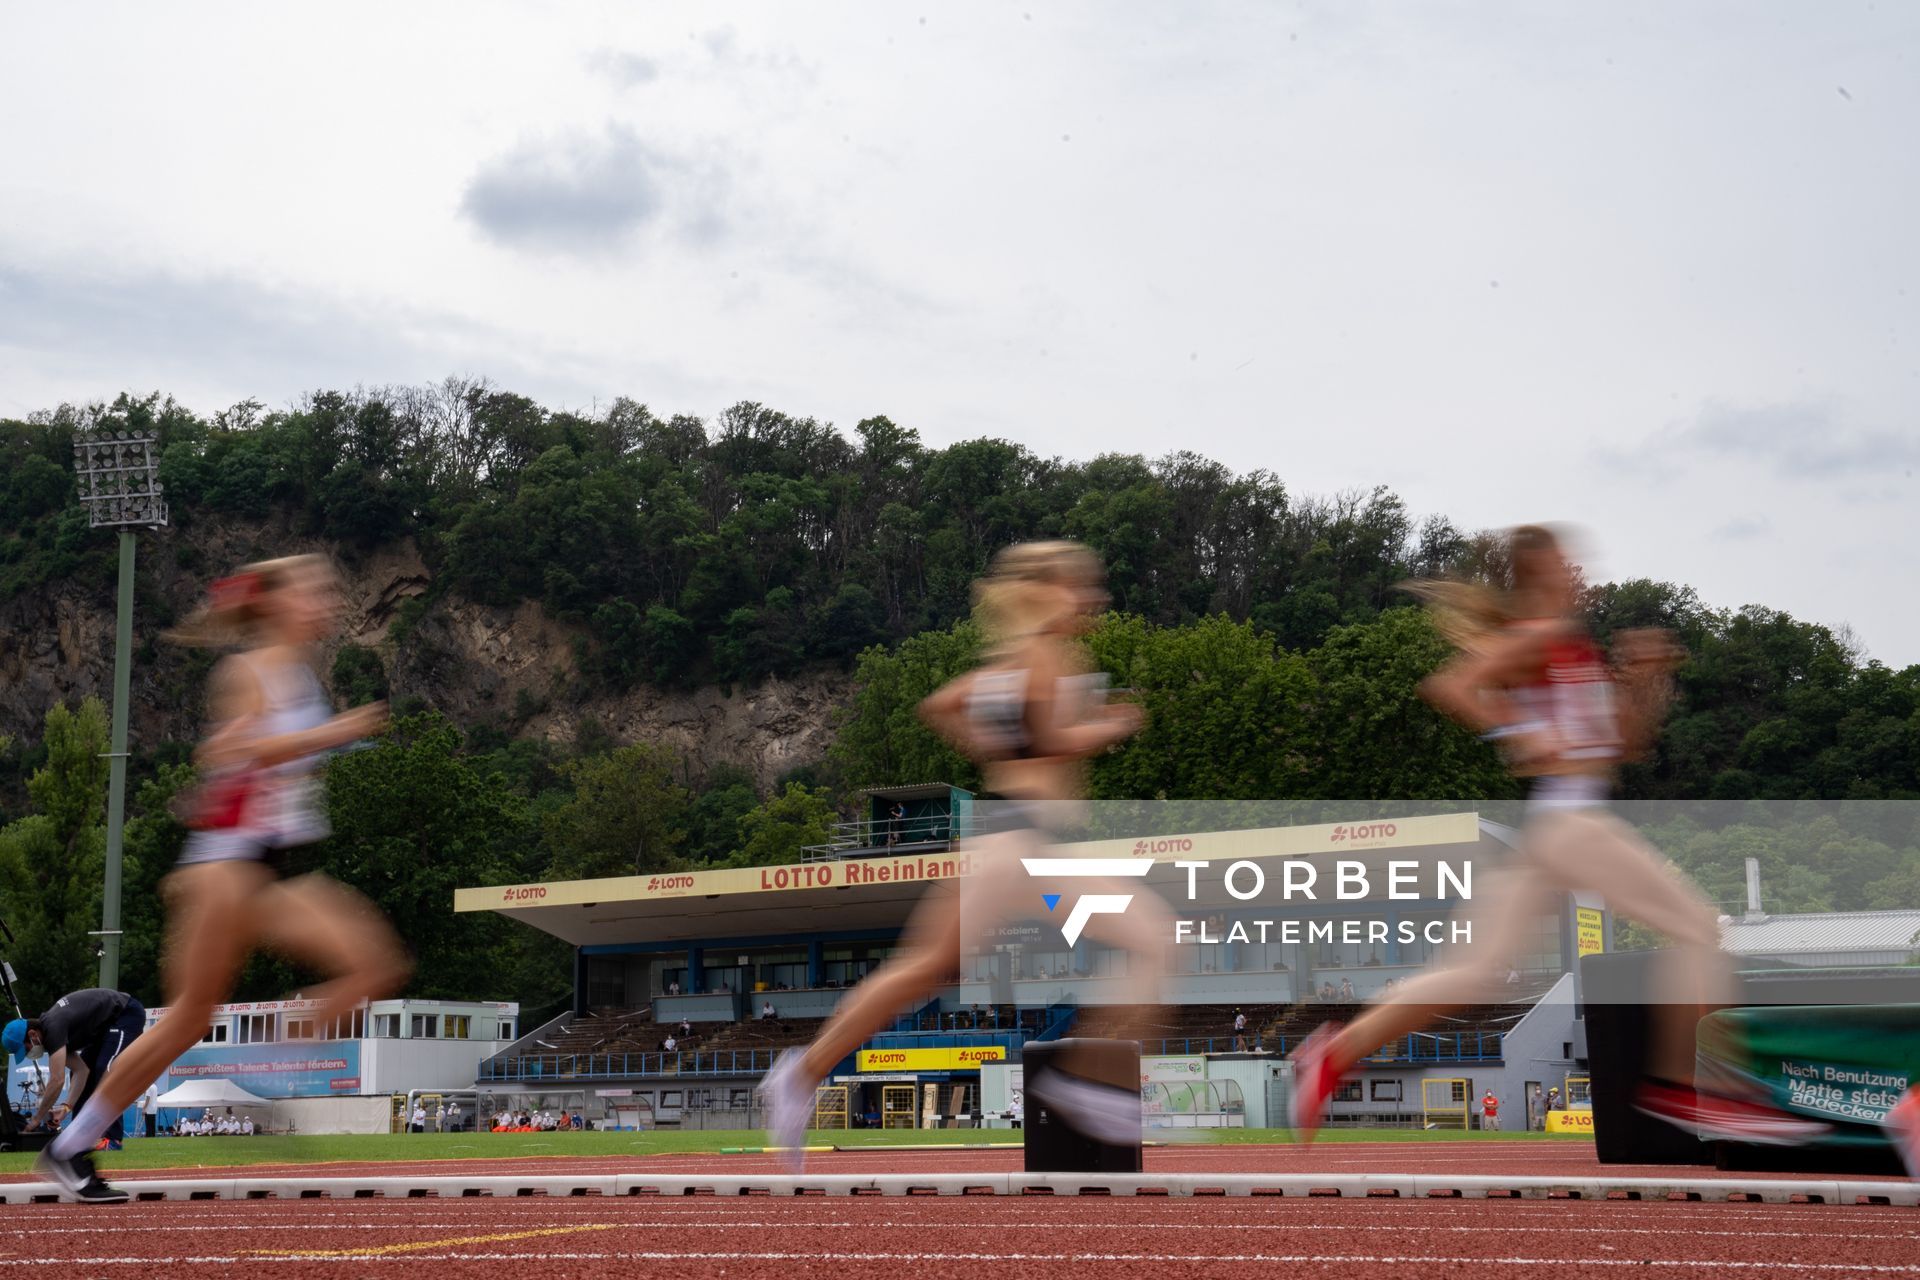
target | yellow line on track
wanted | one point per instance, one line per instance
(381, 1250)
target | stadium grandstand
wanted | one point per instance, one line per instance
(686, 985)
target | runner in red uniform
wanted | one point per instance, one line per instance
(1530, 675)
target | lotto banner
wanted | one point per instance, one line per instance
(966, 1058)
(1845, 1064)
(1580, 1122)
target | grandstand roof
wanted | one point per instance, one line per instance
(1825, 931)
(874, 893)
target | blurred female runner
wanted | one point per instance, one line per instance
(1529, 675)
(1025, 717)
(272, 726)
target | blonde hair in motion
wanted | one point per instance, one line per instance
(237, 604)
(1468, 614)
(1012, 601)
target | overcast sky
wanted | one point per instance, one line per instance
(1652, 268)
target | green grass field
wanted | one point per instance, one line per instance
(176, 1153)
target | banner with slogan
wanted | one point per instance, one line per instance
(298, 1069)
(1590, 928)
(1846, 1064)
(962, 1058)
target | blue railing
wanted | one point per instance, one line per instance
(607, 1066)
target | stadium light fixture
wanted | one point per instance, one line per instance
(117, 474)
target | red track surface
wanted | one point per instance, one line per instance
(919, 1238)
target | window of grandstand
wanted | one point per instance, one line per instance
(459, 1027)
(1384, 1090)
(607, 982)
(426, 1026)
(506, 1029)
(386, 1026)
(1347, 1091)
(259, 1028)
(216, 1034)
(1542, 947)
(300, 1028)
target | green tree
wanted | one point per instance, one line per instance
(777, 830)
(626, 816)
(51, 860)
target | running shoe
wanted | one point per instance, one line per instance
(1714, 1117)
(76, 1177)
(1314, 1079)
(1102, 1112)
(790, 1099)
(1903, 1127)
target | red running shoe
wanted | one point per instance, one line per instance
(1903, 1126)
(1314, 1079)
(1714, 1117)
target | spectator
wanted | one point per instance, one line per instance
(896, 822)
(246, 1127)
(1239, 1031)
(671, 1045)
(450, 1118)
(577, 1122)
(767, 1013)
(417, 1122)
(673, 988)
(1346, 990)
(150, 1108)
(686, 1028)
(1554, 1101)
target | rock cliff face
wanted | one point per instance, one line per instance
(510, 667)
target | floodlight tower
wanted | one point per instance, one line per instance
(118, 474)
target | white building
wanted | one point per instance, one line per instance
(349, 1076)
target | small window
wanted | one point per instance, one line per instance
(216, 1034)
(426, 1026)
(386, 1026)
(1384, 1090)
(506, 1029)
(671, 1099)
(258, 1028)
(299, 1028)
(1347, 1091)
(348, 1026)
(459, 1027)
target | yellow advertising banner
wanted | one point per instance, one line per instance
(965, 1058)
(1590, 926)
(1570, 1122)
(1344, 839)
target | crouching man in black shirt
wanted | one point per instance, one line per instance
(82, 1034)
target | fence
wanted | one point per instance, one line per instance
(1452, 1046)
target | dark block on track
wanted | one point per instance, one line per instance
(1052, 1145)
(1616, 989)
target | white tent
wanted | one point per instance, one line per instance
(209, 1093)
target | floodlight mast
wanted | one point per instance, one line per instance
(118, 476)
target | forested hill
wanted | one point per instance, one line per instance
(622, 641)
